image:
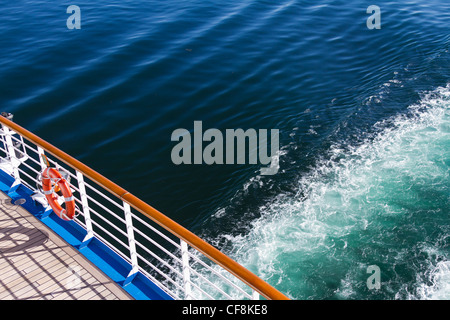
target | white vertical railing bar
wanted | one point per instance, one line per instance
(131, 241)
(11, 153)
(2, 134)
(85, 205)
(186, 272)
(41, 152)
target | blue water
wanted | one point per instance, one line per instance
(363, 115)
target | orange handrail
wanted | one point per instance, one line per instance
(193, 240)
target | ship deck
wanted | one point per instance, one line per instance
(36, 263)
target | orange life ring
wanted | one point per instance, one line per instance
(52, 175)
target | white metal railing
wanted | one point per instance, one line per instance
(175, 267)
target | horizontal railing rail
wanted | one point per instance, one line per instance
(174, 258)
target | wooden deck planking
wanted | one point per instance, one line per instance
(35, 263)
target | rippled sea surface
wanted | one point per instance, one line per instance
(363, 114)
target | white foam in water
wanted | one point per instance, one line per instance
(318, 244)
(438, 283)
(441, 279)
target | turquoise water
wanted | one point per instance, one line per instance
(363, 118)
